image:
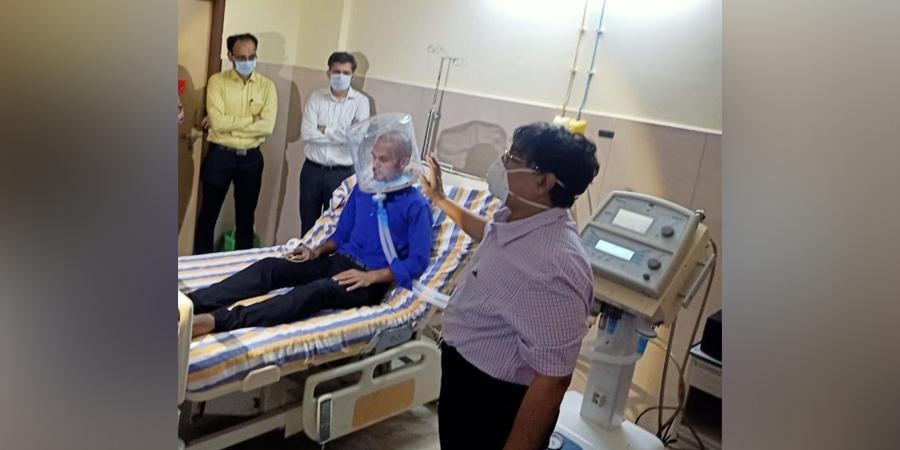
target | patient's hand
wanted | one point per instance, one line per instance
(431, 182)
(354, 279)
(303, 253)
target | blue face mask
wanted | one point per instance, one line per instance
(245, 68)
(340, 82)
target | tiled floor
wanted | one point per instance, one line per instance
(416, 429)
(413, 430)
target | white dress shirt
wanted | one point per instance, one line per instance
(322, 108)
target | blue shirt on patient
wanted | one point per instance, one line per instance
(410, 222)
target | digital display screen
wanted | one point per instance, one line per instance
(613, 249)
(632, 221)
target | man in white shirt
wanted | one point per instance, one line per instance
(328, 113)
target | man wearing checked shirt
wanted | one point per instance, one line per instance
(241, 105)
(513, 327)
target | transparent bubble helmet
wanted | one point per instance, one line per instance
(384, 153)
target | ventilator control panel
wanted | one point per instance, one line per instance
(639, 241)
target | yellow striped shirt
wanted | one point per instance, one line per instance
(231, 104)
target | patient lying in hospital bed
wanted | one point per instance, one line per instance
(266, 361)
(349, 270)
(218, 361)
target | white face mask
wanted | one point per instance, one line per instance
(340, 82)
(498, 183)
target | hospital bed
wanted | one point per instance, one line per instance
(334, 373)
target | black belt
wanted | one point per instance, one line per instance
(238, 151)
(328, 168)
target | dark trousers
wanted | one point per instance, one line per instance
(219, 168)
(475, 410)
(314, 291)
(317, 184)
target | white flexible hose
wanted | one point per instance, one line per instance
(384, 231)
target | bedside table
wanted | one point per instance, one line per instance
(703, 405)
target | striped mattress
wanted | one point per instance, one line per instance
(221, 358)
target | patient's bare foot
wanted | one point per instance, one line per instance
(203, 323)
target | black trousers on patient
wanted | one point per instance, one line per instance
(314, 291)
(475, 410)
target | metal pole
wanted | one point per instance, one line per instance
(433, 115)
(437, 116)
(587, 84)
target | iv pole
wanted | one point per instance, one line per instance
(437, 102)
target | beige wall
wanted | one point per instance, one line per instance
(194, 19)
(319, 31)
(291, 32)
(658, 61)
(274, 22)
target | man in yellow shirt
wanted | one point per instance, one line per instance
(241, 105)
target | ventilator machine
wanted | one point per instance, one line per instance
(649, 257)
